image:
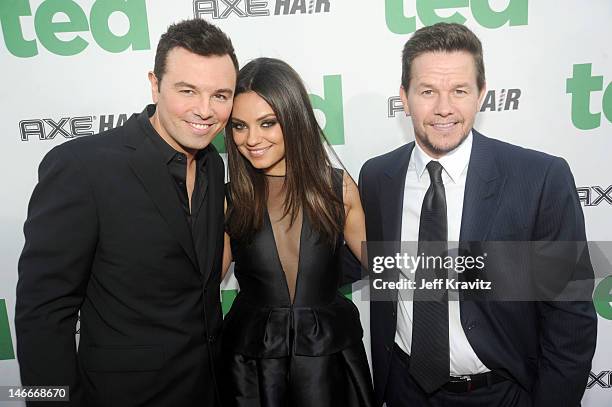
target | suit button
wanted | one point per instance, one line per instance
(471, 326)
(211, 338)
(387, 348)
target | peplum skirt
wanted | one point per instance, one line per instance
(295, 356)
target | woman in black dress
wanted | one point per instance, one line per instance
(290, 338)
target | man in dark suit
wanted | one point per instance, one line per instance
(454, 184)
(127, 228)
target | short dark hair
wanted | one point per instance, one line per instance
(443, 37)
(195, 35)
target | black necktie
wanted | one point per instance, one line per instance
(429, 356)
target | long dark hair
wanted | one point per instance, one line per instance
(308, 179)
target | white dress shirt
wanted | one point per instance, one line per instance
(463, 359)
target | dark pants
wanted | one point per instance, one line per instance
(403, 391)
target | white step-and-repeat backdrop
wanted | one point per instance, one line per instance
(74, 68)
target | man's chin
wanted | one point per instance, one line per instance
(198, 144)
(440, 149)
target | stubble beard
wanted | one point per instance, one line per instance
(439, 151)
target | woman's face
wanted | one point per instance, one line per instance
(258, 134)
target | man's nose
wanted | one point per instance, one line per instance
(444, 105)
(203, 108)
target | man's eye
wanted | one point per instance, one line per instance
(427, 92)
(221, 97)
(187, 91)
(461, 92)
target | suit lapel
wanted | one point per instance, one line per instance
(210, 218)
(392, 184)
(392, 195)
(482, 191)
(155, 178)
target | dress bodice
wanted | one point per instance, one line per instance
(286, 262)
(289, 279)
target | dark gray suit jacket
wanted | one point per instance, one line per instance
(511, 194)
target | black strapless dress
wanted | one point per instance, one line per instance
(290, 338)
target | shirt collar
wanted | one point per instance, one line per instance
(454, 162)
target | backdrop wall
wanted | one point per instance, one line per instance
(74, 68)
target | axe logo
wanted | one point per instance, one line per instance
(68, 127)
(222, 9)
(594, 195)
(602, 379)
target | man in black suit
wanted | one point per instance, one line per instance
(454, 184)
(127, 228)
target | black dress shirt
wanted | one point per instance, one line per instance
(176, 163)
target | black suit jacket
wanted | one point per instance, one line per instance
(511, 194)
(106, 235)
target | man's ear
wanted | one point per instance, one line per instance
(404, 96)
(483, 92)
(154, 86)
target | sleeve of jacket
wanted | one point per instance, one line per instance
(60, 239)
(568, 328)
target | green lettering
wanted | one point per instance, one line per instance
(227, 299)
(138, 33)
(219, 142)
(397, 22)
(331, 106)
(606, 103)
(10, 11)
(347, 291)
(602, 298)
(6, 343)
(516, 13)
(426, 9)
(46, 29)
(580, 85)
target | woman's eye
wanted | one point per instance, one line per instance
(268, 123)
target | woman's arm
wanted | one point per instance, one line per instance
(354, 227)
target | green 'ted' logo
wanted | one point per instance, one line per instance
(515, 13)
(580, 86)
(6, 343)
(602, 298)
(330, 104)
(67, 18)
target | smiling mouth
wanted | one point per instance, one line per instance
(199, 126)
(444, 126)
(258, 152)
